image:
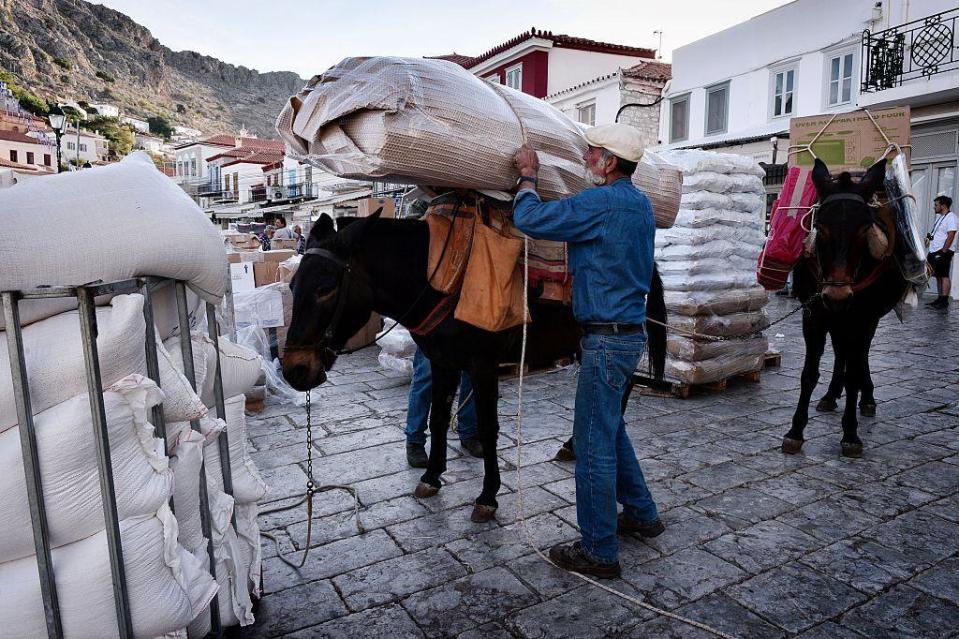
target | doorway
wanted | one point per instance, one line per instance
(928, 182)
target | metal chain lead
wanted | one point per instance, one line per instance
(310, 485)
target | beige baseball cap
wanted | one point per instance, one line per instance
(621, 140)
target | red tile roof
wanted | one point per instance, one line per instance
(257, 157)
(560, 40)
(660, 71)
(17, 136)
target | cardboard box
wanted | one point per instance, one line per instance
(283, 244)
(851, 142)
(277, 255)
(265, 272)
(242, 277)
(367, 207)
(233, 258)
(366, 334)
(245, 241)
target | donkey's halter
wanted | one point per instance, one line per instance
(874, 275)
(341, 288)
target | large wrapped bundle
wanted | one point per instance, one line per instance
(96, 225)
(430, 122)
(707, 261)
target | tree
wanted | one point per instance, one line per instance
(119, 136)
(161, 126)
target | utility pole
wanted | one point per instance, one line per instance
(659, 51)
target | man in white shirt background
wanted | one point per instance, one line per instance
(942, 246)
(283, 232)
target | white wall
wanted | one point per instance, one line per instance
(569, 67)
(605, 94)
(38, 151)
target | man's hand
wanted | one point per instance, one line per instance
(526, 161)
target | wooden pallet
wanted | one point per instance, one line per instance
(682, 390)
(511, 369)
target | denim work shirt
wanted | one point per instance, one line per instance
(610, 232)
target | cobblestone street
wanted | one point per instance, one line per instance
(757, 544)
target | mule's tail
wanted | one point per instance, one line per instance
(656, 332)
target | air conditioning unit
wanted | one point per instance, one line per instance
(275, 193)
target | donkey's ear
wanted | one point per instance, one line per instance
(323, 228)
(872, 180)
(357, 228)
(822, 180)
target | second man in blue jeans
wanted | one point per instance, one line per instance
(418, 412)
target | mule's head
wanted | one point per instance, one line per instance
(845, 240)
(332, 300)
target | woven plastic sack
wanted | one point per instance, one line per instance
(732, 325)
(421, 121)
(248, 485)
(712, 249)
(714, 281)
(696, 218)
(722, 302)
(68, 468)
(251, 554)
(108, 223)
(714, 369)
(693, 350)
(723, 183)
(705, 265)
(696, 161)
(167, 586)
(662, 183)
(750, 234)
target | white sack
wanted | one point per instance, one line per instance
(68, 468)
(696, 218)
(722, 183)
(695, 237)
(120, 221)
(397, 347)
(699, 266)
(732, 325)
(692, 350)
(713, 249)
(715, 302)
(743, 202)
(248, 486)
(166, 315)
(714, 369)
(54, 355)
(697, 161)
(251, 554)
(240, 369)
(167, 586)
(715, 281)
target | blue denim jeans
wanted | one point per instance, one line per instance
(607, 470)
(421, 397)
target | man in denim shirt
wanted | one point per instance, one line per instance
(610, 231)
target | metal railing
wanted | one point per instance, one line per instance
(86, 296)
(916, 49)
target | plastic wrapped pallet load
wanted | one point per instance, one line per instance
(132, 196)
(707, 261)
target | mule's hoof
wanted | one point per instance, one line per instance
(867, 410)
(424, 490)
(826, 405)
(482, 514)
(792, 446)
(851, 449)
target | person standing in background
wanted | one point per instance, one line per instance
(942, 246)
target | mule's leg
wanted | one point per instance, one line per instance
(486, 393)
(856, 348)
(867, 403)
(445, 381)
(814, 335)
(828, 402)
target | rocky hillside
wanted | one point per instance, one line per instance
(73, 50)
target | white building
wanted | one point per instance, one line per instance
(25, 153)
(106, 110)
(139, 125)
(736, 90)
(149, 143)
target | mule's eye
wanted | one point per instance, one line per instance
(324, 295)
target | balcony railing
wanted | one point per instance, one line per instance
(912, 50)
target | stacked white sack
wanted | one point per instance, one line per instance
(707, 261)
(130, 198)
(168, 587)
(397, 348)
(238, 552)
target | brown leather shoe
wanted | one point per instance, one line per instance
(416, 455)
(647, 529)
(573, 557)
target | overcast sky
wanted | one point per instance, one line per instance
(308, 36)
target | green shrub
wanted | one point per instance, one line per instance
(28, 101)
(106, 77)
(63, 62)
(180, 108)
(160, 126)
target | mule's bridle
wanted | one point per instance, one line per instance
(869, 279)
(344, 279)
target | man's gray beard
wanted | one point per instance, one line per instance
(595, 180)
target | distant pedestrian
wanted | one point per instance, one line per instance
(942, 246)
(300, 239)
(267, 236)
(283, 232)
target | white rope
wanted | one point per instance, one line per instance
(519, 480)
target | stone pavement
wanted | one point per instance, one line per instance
(757, 544)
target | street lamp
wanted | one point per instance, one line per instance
(57, 120)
